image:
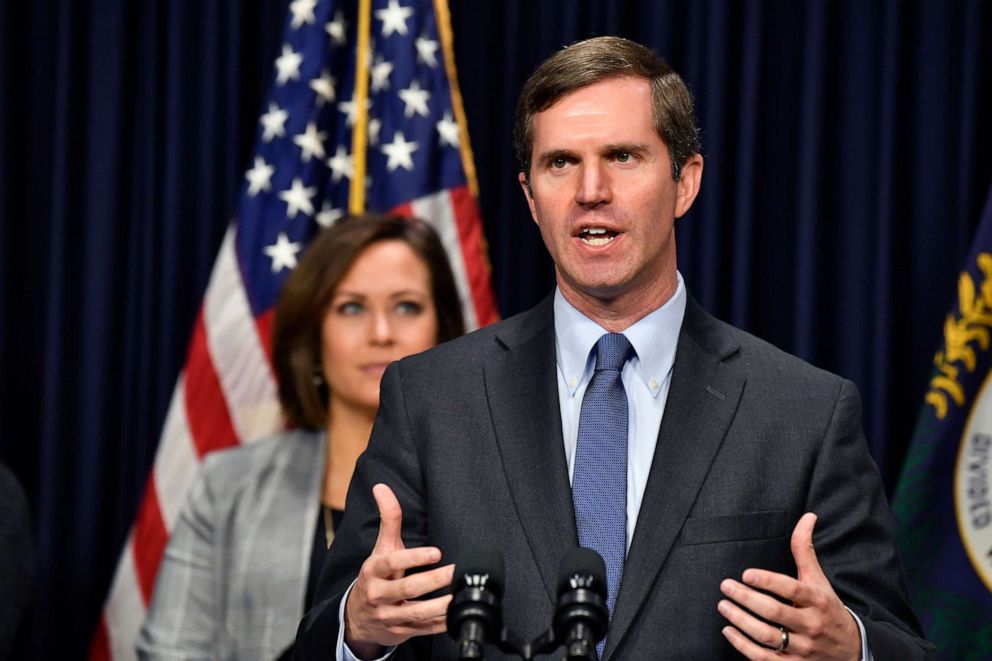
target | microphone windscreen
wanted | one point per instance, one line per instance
(480, 566)
(582, 567)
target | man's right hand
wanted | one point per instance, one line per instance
(380, 611)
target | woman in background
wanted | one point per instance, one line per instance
(245, 555)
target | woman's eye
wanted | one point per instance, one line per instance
(409, 308)
(350, 308)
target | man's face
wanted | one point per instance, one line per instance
(604, 198)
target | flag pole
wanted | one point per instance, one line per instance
(447, 43)
(359, 136)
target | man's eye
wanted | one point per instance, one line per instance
(623, 157)
(559, 162)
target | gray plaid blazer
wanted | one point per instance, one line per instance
(234, 575)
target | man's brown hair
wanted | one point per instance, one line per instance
(600, 58)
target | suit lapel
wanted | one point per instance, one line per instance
(701, 404)
(522, 390)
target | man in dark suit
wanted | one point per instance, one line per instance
(723, 444)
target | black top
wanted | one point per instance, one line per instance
(319, 551)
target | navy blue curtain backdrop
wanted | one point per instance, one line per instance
(848, 151)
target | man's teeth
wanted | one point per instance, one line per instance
(596, 236)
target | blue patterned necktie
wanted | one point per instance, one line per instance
(599, 477)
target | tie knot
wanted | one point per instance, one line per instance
(612, 351)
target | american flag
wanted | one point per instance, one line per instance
(363, 113)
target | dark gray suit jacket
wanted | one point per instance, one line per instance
(469, 437)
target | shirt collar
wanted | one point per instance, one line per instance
(654, 338)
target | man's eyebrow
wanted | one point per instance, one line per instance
(632, 147)
(552, 154)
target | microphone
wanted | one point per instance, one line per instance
(475, 614)
(581, 616)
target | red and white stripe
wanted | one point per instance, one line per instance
(454, 215)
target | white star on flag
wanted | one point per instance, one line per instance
(393, 18)
(259, 177)
(324, 87)
(302, 12)
(274, 123)
(328, 215)
(336, 29)
(400, 152)
(350, 109)
(311, 142)
(380, 75)
(288, 65)
(283, 253)
(297, 199)
(447, 131)
(416, 100)
(425, 51)
(341, 164)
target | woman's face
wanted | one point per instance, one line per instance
(381, 311)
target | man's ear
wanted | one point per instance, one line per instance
(687, 187)
(528, 193)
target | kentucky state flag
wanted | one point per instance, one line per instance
(943, 504)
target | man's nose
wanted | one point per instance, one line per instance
(594, 185)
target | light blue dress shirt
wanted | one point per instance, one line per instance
(646, 378)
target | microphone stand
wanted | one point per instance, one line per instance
(510, 643)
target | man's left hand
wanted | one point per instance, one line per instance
(816, 624)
